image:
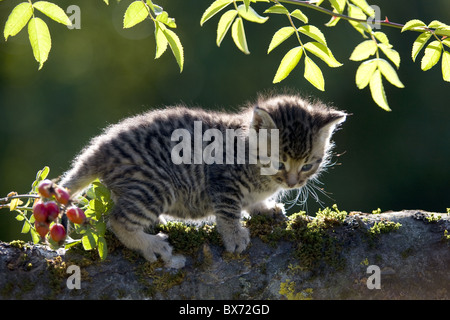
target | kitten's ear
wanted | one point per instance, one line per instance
(330, 122)
(333, 119)
(262, 120)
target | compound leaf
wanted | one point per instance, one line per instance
(339, 5)
(446, 66)
(389, 73)
(18, 19)
(377, 90)
(280, 36)
(224, 24)
(419, 44)
(413, 24)
(175, 46)
(278, 8)
(314, 33)
(238, 35)
(432, 55)
(393, 55)
(365, 7)
(53, 11)
(323, 52)
(215, 7)
(135, 13)
(299, 15)
(161, 41)
(40, 40)
(313, 74)
(288, 63)
(365, 72)
(251, 15)
(364, 50)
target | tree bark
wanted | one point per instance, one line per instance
(360, 261)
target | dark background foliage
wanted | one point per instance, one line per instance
(101, 73)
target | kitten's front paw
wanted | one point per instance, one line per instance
(158, 245)
(236, 240)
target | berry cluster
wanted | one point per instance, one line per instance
(55, 202)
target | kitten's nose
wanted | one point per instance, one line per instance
(291, 180)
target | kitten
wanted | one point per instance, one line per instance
(135, 160)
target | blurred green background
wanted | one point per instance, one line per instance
(101, 73)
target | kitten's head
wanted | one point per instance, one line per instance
(305, 129)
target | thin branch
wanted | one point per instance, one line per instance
(385, 22)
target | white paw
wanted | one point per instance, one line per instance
(236, 240)
(157, 245)
(177, 261)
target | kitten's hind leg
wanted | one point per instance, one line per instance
(132, 235)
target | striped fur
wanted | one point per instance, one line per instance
(133, 159)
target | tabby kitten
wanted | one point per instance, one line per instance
(134, 160)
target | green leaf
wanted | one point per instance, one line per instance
(333, 21)
(435, 24)
(35, 237)
(446, 42)
(365, 72)
(415, 23)
(446, 66)
(26, 227)
(288, 63)
(135, 13)
(40, 175)
(339, 5)
(238, 35)
(278, 8)
(364, 50)
(313, 74)
(377, 90)
(247, 4)
(382, 37)
(18, 19)
(393, 55)
(175, 46)
(280, 36)
(164, 18)
(20, 216)
(53, 11)
(356, 12)
(102, 248)
(40, 40)
(432, 55)
(314, 33)
(224, 24)
(419, 44)
(89, 240)
(365, 7)
(215, 7)
(251, 15)
(299, 15)
(161, 41)
(389, 73)
(323, 52)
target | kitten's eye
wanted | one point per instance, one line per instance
(281, 166)
(307, 167)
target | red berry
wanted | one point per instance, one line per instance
(76, 215)
(45, 188)
(40, 212)
(57, 232)
(41, 228)
(62, 195)
(52, 210)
